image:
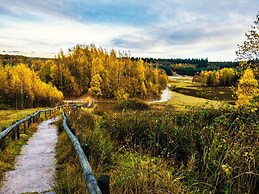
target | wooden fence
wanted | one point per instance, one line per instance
(15, 128)
(102, 187)
(93, 187)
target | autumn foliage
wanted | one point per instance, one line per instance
(101, 73)
(22, 88)
(223, 77)
(247, 89)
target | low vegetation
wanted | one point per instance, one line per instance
(131, 104)
(164, 151)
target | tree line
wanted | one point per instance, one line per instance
(189, 66)
(84, 69)
(200, 62)
(101, 73)
(22, 88)
(222, 77)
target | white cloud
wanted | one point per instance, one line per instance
(169, 28)
(52, 35)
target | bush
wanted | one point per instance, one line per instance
(131, 104)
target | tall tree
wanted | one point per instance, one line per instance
(247, 89)
(249, 50)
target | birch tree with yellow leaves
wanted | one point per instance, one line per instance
(247, 90)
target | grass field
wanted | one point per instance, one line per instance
(184, 85)
(180, 100)
(212, 93)
(9, 116)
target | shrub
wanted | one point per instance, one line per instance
(131, 104)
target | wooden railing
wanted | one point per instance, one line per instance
(102, 187)
(94, 187)
(15, 128)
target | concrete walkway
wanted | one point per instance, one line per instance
(35, 167)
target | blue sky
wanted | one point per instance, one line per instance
(154, 28)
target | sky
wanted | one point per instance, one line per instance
(144, 28)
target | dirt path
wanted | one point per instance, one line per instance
(35, 167)
(166, 95)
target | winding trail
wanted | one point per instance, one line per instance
(166, 95)
(35, 166)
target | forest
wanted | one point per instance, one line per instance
(84, 69)
(22, 88)
(102, 74)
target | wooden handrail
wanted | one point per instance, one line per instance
(90, 180)
(4, 133)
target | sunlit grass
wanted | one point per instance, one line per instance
(179, 101)
(9, 116)
(181, 83)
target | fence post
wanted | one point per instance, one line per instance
(104, 184)
(45, 113)
(80, 138)
(71, 129)
(29, 121)
(13, 132)
(2, 142)
(24, 127)
(18, 131)
(86, 149)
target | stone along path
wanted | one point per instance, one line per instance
(35, 167)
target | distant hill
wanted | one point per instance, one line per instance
(15, 59)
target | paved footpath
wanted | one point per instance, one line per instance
(35, 167)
